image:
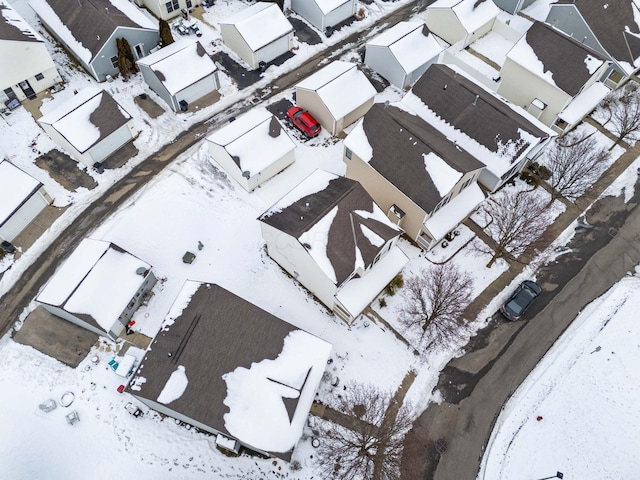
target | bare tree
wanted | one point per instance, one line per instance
(518, 220)
(372, 447)
(434, 299)
(576, 161)
(622, 108)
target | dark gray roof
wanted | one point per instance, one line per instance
(9, 31)
(345, 235)
(399, 141)
(473, 110)
(613, 24)
(562, 55)
(215, 334)
(91, 22)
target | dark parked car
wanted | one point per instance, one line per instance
(304, 121)
(7, 247)
(520, 300)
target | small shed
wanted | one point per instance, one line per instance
(461, 21)
(253, 148)
(324, 13)
(22, 198)
(403, 53)
(337, 95)
(98, 287)
(90, 126)
(258, 34)
(180, 72)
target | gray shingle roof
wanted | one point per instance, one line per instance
(613, 23)
(399, 141)
(562, 55)
(9, 30)
(487, 119)
(215, 334)
(345, 235)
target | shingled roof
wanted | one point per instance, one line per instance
(345, 218)
(474, 111)
(614, 25)
(563, 56)
(13, 27)
(400, 141)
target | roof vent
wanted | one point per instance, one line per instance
(141, 271)
(445, 87)
(475, 101)
(246, 174)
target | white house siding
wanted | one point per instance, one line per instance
(340, 14)
(159, 9)
(353, 116)
(232, 39)
(291, 255)
(309, 100)
(274, 49)
(59, 312)
(28, 59)
(110, 144)
(101, 65)
(444, 23)
(24, 215)
(198, 90)
(309, 10)
(222, 158)
(156, 85)
(381, 59)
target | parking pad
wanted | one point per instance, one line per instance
(65, 170)
(242, 77)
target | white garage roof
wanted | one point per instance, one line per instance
(16, 186)
(260, 24)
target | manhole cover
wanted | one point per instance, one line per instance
(441, 446)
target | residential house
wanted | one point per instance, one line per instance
(98, 287)
(336, 95)
(329, 234)
(166, 10)
(610, 28)
(420, 178)
(22, 198)
(499, 134)
(32, 69)
(461, 22)
(180, 73)
(258, 34)
(546, 71)
(88, 29)
(90, 126)
(227, 367)
(324, 14)
(402, 53)
(253, 148)
(513, 6)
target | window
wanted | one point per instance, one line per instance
(189, 4)
(39, 76)
(561, 124)
(172, 5)
(114, 62)
(348, 153)
(467, 182)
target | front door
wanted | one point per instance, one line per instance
(139, 50)
(26, 89)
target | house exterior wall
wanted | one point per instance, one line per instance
(139, 297)
(513, 6)
(232, 39)
(28, 59)
(382, 61)
(24, 215)
(159, 7)
(309, 10)
(274, 49)
(291, 256)
(444, 23)
(156, 85)
(353, 116)
(522, 87)
(340, 14)
(110, 144)
(197, 90)
(59, 312)
(63, 143)
(222, 158)
(385, 194)
(101, 65)
(309, 100)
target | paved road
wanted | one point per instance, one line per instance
(477, 385)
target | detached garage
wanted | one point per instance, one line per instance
(90, 126)
(22, 198)
(324, 13)
(180, 72)
(260, 33)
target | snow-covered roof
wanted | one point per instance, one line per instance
(341, 86)
(14, 27)
(86, 25)
(584, 102)
(180, 64)
(336, 221)
(234, 368)
(410, 42)
(260, 24)
(556, 58)
(96, 282)
(472, 14)
(493, 130)
(254, 140)
(454, 212)
(16, 187)
(411, 154)
(86, 118)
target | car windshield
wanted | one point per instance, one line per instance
(520, 301)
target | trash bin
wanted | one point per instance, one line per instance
(184, 106)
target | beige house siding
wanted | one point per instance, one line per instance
(309, 100)
(355, 115)
(444, 23)
(232, 39)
